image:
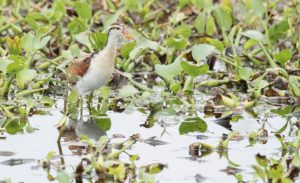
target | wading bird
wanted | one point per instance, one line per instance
(92, 71)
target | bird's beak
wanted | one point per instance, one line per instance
(127, 35)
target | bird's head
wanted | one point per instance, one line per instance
(118, 31)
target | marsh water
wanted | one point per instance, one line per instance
(20, 154)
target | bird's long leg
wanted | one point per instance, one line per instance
(81, 107)
(62, 127)
(66, 99)
(90, 102)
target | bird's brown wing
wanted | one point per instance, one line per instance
(78, 67)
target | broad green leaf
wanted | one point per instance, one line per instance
(178, 43)
(33, 42)
(103, 122)
(131, 5)
(260, 83)
(14, 67)
(77, 26)
(253, 34)
(63, 177)
(128, 91)
(183, 3)
(12, 126)
(200, 23)
(245, 73)
(194, 70)
(278, 30)
(127, 48)
(83, 10)
(169, 71)
(4, 62)
(201, 51)
(83, 38)
(210, 26)
(216, 43)
(223, 18)
(24, 76)
(143, 43)
(192, 125)
(47, 101)
(283, 111)
(182, 30)
(98, 40)
(261, 160)
(276, 171)
(283, 56)
(105, 91)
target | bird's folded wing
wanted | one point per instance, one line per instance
(79, 66)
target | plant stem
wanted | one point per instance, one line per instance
(269, 58)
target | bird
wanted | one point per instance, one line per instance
(91, 71)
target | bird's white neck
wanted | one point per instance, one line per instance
(111, 46)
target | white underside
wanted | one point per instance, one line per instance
(97, 75)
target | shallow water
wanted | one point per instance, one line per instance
(172, 151)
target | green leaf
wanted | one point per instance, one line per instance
(261, 160)
(183, 31)
(294, 85)
(283, 111)
(47, 101)
(260, 83)
(98, 40)
(201, 51)
(283, 56)
(245, 73)
(200, 23)
(103, 122)
(77, 26)
(127, 48)
(178, 43)
(278, 30)
(169, 71)
(13, 126)
(105, 91)
(4, 62)
(192, 125)
(194, 70)
(83, 10)
(259, 171)
(24, 76)
(210, 26)
(223, 18)
(14, 67)
(143, 43)
(62, 177)
(253, 34)
(128, 91)
(276, 171)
